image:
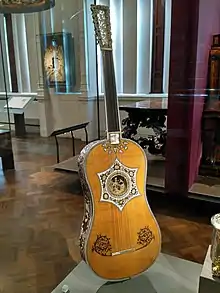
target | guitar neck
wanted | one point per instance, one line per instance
(111, 99)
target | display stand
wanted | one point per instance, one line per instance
(20, 129)
(168, 275)
(6, 151)
(208, 284)
(16, 105)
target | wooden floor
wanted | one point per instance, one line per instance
(41, 212)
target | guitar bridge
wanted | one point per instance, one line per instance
(123, 251)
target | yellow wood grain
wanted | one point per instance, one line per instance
(120, 226)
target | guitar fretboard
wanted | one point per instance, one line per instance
(111, 100)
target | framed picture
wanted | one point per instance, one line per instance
(59, 60)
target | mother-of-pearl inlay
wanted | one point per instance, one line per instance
(118, 184)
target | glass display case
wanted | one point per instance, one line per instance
(5, 82)
(6, 152)
(58, 60)
(60, 48)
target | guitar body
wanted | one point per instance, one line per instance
(119, 236)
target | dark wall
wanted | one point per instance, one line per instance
(11, 52)
(193, 24)
(209, 24)
(181, 89)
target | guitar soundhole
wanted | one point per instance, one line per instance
(102, 246)
(118, 185)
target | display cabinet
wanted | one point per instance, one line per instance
(210, 163)
(6, 151)
(58, 61)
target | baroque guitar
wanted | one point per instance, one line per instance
(119, 237)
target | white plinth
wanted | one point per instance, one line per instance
(168, 275)
(208, 284)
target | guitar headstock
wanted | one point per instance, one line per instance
(101, 20)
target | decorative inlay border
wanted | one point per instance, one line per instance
(118, 184)
(117, 148)
(144, 237)
(102, 245)
(88, 207)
